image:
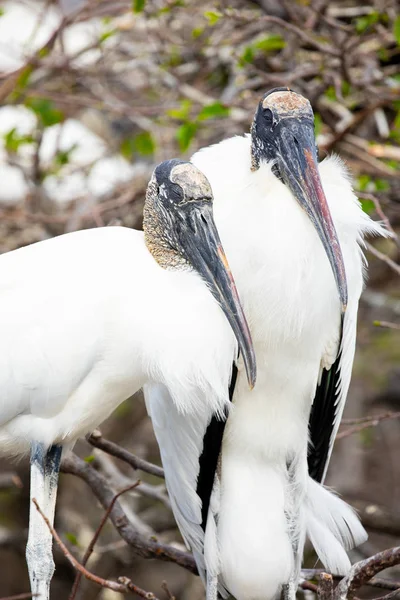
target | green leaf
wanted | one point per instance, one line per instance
(212, 17)
(63, 157)
(247, 56)
(317, 123)
(368, 206)
(90, 458)
(24, 77)
(12, 140)
(396, 29)
(270, 43)
(45, 111)
(107, 34)
(185, 135)
(196, 32)
(215, 110)
(363, 182)
(330, 93)
(365, 22)
(381, 185)
(144, 143)
(138, 5)
(181, 113)
(72, 539)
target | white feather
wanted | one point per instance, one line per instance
(86, 319)
(324, 506)
(290, 298)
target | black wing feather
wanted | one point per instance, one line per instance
(322, 419)
(208, 460)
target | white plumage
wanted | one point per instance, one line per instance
(86, 319)
(267, 503)
(89, 317)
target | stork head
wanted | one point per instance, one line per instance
(282, 134)
(180, 233)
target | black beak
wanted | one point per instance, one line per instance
(297, 164)
(199, 240)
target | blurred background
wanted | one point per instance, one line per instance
(92, 95)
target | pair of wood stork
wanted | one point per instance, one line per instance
(90, 317)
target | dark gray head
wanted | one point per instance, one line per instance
(180, 232)
(282, 134)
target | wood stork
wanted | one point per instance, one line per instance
(89, 317)
(294, 233)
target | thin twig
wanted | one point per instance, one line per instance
(166, 589)
(123, 586)
(98, 441)
(384, 258)
(371, 423)
(146, 548)
(97, 533)
(381, 417)
(249, 16)
(387, 325)
(20, 596)
(376, 582)
(379, 210)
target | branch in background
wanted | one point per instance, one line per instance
(379, 210)
(325, 587)
(20, 597)
(123, 586)
(376, 582)
(363, 571)
(384, 258)
(365, 424)
(387, 325)
(98, 441)
(146, 548)
(9, 480)
(93, 541)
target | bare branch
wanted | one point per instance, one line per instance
(373, 422)
(90, 548)
(143, 547)
(137, 463)
(363, 571)
(124, 585)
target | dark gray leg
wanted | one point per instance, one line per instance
(45, 466)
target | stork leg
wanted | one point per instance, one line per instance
(45, 466)
(212, 587)
(289, 590)
(297, 476)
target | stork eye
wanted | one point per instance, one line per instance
(268, 116)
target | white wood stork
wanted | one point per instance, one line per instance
(89, 317)
(293, 231)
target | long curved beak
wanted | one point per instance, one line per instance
(202, 247)
(298, 167)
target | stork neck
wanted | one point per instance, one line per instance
(156, 238)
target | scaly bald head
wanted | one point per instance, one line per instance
(282, 134)
(180, 233)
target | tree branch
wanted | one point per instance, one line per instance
(98, 441)
(146, 548)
